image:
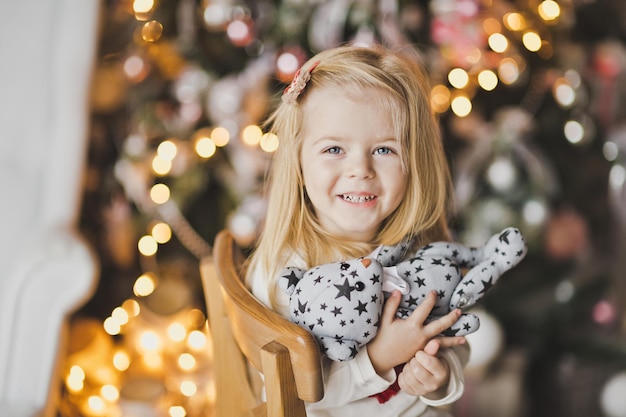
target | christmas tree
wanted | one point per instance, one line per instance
(529, 96)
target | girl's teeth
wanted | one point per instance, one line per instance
(357, 198)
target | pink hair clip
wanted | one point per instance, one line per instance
(298, 84)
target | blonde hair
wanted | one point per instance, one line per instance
(291, 226)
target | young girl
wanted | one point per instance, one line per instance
(361, 164)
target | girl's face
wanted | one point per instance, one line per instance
(351, 163)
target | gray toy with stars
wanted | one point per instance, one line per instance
(341, 302)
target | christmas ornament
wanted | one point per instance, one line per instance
(612, 398)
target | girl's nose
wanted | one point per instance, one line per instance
(360, 166)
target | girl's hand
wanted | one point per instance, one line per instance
(425, 373)
(398, 340)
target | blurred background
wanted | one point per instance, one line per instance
(531, 98)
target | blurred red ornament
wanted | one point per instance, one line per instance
(566, 236)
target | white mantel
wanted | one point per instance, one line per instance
(47, 51)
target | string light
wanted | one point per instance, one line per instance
(488, 80)
(251, 135)
(161, 232)
(220, 136)
(549, 10)
(514, 21)
(461, 106)
(498, 42)
(440, 98)
(269, 142)
(144, 285)
(532, 41)
(458, 78)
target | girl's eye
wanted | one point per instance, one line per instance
(333, 150)
(383, 151)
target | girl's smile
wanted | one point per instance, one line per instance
(351, 163)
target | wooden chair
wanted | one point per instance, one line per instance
(246, 331)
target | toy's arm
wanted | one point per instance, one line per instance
(462, 255)
(502, 252)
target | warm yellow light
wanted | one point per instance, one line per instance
(186, 361)
(195, 318)
(161, 232)
(440, 98)
(120, 315)
(95, 403)
(112, 326)
(153, 359)
(549, 10)
(167, 150)
(75, 380)
(461, 106)
(144, 285)
(491, 25)
(74, 383)
(269, 142)
(147, 245)
(514, 21)
(177, 411)
(77, 372)
(488, 80)
(220, 136)
(151, 31)
(251, 135)
(205, 147)
(109, 393)
(132, 307)
(143, 6)
(532, 41)
(121, 360)
(161, 166)
(196, 340)
(498, 42)
(160, 193)
(188, 388)
(176, 332)
(149, 341)
(458, 78)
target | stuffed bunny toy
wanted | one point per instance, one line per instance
(341, 302)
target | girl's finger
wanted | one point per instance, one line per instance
(423, 310)
(390, 307)
(443, 323)
(445, 342)
(432, 347)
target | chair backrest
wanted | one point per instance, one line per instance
(243, 329)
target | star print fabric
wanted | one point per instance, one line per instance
(339, 302)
